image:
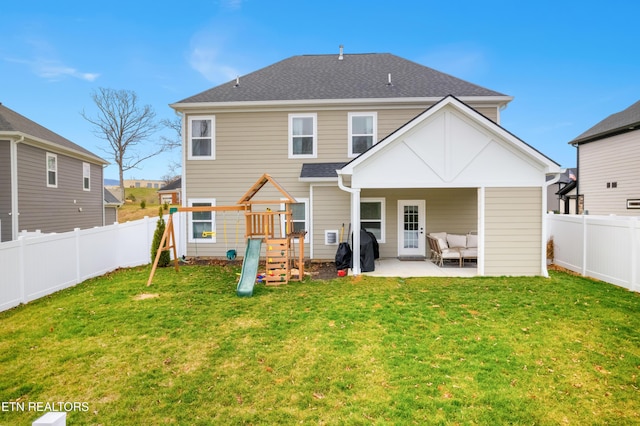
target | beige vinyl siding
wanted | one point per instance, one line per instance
(513, 229)
(249, 144)
(5, 191)
(110, 215)
(448, 210)
(614, 159)
(331, 208)
(54, 209)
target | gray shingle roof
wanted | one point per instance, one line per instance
(320, 170)
(357, 76)
(11, 121)
(109, 198)
(619, 122)
(176, 184)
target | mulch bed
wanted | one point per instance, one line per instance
(318, 270)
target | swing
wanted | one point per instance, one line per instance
(231, 253)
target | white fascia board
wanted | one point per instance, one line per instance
(314, 103)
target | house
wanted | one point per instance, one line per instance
(608, 157)
(374, 141)
(170, 193)
(111, 206)
(47, 182)
(561, 192)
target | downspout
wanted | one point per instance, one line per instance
(355, 222)
(13, 153)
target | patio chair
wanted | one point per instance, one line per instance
(440, 254)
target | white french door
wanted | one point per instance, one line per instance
(411, 221)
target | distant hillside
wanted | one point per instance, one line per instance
(111, 182)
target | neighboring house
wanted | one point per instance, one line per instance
(375, 141)
(559, 192)
(111, 206)
(47, 182)
(170, 193)
(143, 183)
(608, 171)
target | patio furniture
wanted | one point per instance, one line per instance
(453, 246)
(440, 254)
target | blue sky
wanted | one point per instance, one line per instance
(567, 64)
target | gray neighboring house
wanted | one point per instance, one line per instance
(560, 194)
(111, 206)
(608, 171)
(47, 182)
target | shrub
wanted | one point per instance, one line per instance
(143, 204)
(165, 257)
(165, 206)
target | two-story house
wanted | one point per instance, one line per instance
(47, 182)
(608, 157)
(374, 141)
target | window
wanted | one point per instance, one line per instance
(86, 176)
(299, 215)
(362, 131)
(52, 170)
(202, 138)
(202, 224)
(633, 204)
(372, 216)
(303, 140)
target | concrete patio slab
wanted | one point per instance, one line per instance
(392, 267)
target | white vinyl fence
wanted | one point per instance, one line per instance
(36, 265)
(602, 247)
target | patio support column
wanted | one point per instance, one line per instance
(355, 225)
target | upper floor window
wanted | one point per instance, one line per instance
(362, 131)
(303, 137)
(86, 176)
(52, 170)
(202, 139)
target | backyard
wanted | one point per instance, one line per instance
(365, 350)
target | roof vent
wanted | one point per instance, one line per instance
(341, 57)
(237, 82)
(389, 80)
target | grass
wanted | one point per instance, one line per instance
(564, 350)
(131, 209)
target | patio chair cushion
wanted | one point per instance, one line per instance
(472, 240)
(454, 240)
(442, 239)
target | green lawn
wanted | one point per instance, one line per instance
(490, 351)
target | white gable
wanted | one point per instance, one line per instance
(450, 145)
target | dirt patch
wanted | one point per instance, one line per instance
(144, 296)
(317, 270)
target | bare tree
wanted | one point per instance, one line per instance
(170, 143)
(125, 125)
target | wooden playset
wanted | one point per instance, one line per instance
(274, 228)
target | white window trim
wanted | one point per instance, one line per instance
(190, 155)
(190, 238)
(307, 216)
(315, 135)
(86, 167)
(350, 124)
(383, 219)
(50, 155)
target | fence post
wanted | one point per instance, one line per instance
(584, 245)
(76, 237)
(21, 279)
(635, 252)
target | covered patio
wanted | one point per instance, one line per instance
(394, 267)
